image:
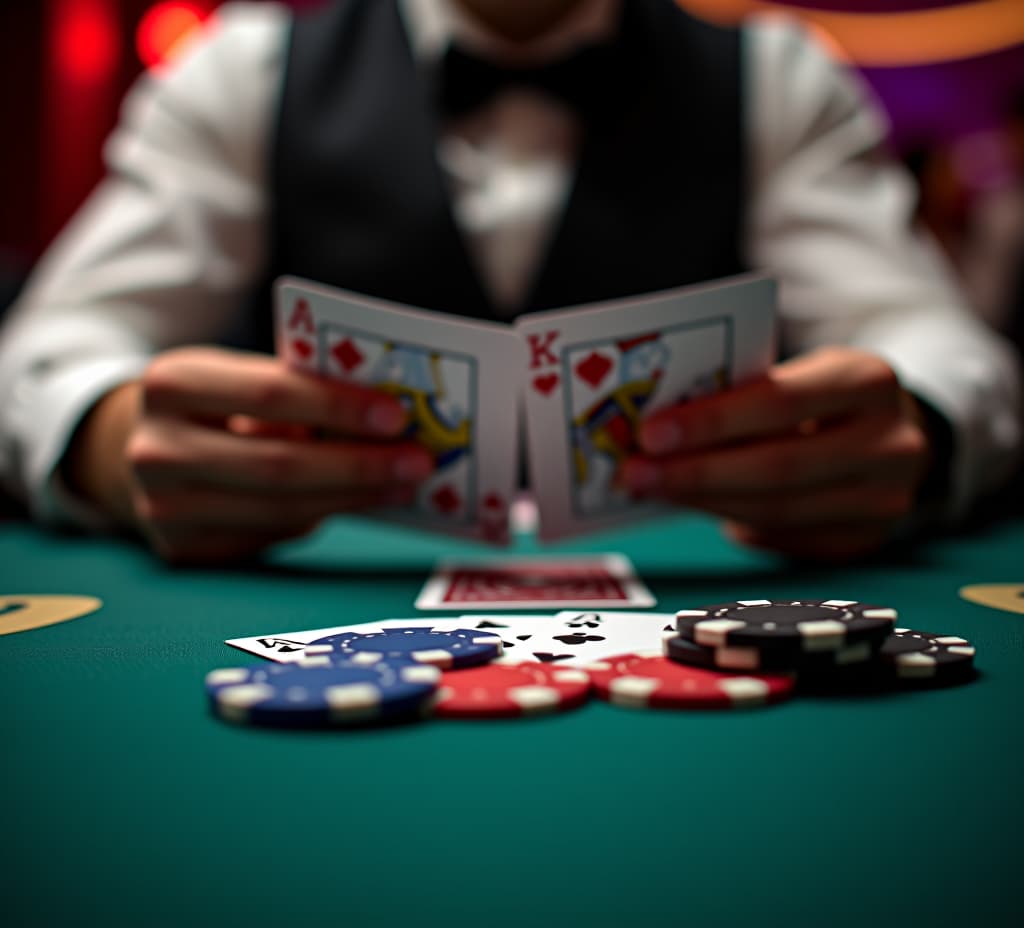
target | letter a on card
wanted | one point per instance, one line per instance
(298, 341)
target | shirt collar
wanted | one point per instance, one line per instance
(433, 25)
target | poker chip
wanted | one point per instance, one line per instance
(815, 625)
(461, 647)
(736, 658)
(913, 655)
(510, 690)
(650, 680)
(321, 691)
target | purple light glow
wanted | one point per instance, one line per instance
(943, 102)
(939, 102)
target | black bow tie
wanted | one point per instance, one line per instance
(584, 80)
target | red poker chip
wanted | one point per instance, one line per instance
(650, 680)
(496, 691)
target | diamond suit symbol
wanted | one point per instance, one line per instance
(593, 368)
(348, 355)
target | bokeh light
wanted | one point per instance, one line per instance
(165, 30)
(86, 41)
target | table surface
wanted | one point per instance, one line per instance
(126, 802)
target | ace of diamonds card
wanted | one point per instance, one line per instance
(595, 371)
(455, 377)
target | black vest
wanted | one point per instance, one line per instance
(359, 200)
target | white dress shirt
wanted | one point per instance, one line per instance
(163, 250)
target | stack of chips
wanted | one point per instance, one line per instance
(818, 640)
(732, 655)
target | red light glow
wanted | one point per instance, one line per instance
(165, 29)
(86, 41)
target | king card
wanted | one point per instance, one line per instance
(595, 371)
(455, 377)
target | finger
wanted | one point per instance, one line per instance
(190, 546)
(206, 382)
(857, 504)
(168, 452)
(826, 384)
(206, 507)
(848, 451)
(838, 544)
(219, 547)
(250, 426)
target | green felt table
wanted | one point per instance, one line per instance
(125, 803)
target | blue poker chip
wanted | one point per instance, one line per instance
(322, 691)
(461, 647)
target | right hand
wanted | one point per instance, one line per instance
(212, 454)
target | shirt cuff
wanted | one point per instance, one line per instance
(978, 395)
(49, 409)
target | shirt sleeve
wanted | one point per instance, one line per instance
(832, 216)
(160, 255)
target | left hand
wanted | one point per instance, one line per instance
(821, 458)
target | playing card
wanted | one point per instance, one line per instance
(582, 581)
(457, 378)
(594, 636)
(288, 647)
(594, 372)
(523, 637)
(574, 638)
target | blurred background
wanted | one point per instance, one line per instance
(949, 73)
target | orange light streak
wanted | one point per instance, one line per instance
(884, 40)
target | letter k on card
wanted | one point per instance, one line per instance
(542, 355)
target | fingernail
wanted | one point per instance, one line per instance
(385, 418)
(659, 436)
(413, 467)
(640, 475)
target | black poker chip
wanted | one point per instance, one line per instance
(908, 659)
(792, 626)
(913, 656)
(744, 659)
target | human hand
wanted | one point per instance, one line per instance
(212, 455)
(819, 459)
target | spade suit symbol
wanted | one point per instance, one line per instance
(578, 638)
